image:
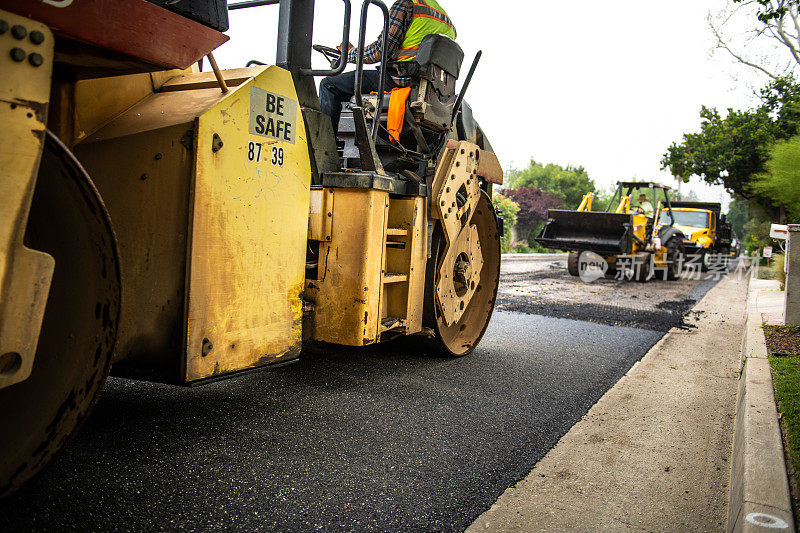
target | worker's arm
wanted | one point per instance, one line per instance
(400, 17)
(645, 207)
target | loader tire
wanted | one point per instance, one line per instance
(573, 260)
(68, 221)
(675, 255)
(705, 260)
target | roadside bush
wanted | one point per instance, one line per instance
(523, 248)
(507, 210)
(773, 269)
(533, 206)
(535, 246)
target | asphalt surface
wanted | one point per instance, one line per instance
(539, 285)
(383, 438)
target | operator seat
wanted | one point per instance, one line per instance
(429, 107)
(434, 70)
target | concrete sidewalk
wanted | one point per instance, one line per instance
(653, 453)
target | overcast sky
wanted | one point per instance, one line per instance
(606, 85)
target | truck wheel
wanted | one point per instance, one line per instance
(675, 255)
(461, 337)
(68, 221)
(641, 267)
(705, 260)
(572, 263)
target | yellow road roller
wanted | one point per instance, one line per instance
(170, 223)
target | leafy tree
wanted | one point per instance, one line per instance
(732, 150)
(533, 205)
(757, 231)
(566, 183)
(727, 151)
(738, 214)
(776, 29)
(781, 99)
(750, 224)
(602, 198)
(691, 196)
(780, 180)
(507, 210)
(772, 10)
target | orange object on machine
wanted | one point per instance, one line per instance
(397, 111)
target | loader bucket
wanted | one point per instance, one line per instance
(600, 232)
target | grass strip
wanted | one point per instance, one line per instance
(783, 344)
(786, 377)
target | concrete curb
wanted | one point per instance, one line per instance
(759, 497)
(512, 257)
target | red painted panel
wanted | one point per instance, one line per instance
(133, 27)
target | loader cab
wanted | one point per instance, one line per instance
(656, 194)
(427, 112)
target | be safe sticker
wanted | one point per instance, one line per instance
(272, 115)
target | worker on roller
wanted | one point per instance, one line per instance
(409, 22)
(645, 208)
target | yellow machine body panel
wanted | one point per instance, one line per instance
(210, 211)
(639, 230)
(96, 102)
(25, 274)
(403, 277)
(346, 295)
(248, 230)
(371, 273)
(142, 161)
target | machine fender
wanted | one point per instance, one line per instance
(25, 273)
(667, 233)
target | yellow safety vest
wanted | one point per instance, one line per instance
(429, 17)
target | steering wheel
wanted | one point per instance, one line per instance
(333, 55)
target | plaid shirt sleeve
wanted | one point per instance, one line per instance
(400, 17)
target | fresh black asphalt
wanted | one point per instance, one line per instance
(382, 439)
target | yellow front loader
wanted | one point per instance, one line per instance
(633, 244)
(185, 225)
